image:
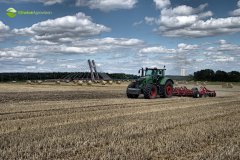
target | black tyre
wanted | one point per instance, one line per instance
(168, 90)
(132, 85)
(150, 91)
(196, 93)
(205, 95)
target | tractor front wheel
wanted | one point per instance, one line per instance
(132, 85)
(150, 91)
(168, 90)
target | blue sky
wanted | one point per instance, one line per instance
(121, 36)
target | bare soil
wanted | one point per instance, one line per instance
(98, 122)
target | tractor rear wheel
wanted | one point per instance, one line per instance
(168, 90)
(132, 85)
(150, 91)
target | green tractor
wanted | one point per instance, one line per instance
(151, 83)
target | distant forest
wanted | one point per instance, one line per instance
(220, 76)
(203, 75)
(23, 76)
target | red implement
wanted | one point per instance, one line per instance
(194, 92)
(207, 93)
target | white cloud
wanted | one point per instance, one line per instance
(45, 2)
(3, 27)
(137, 23)
(31, 67)
(181, 47)
(236, 12)
(223, 59)
(158, 49)
(89, 46)
(109, 41)
(104, 5)
(150, 20)
(4, 31)
(69, 66)
(221, 55)
(162, 3)
(215, 55)
(71, 27)
(205, 15)
(187, 47)
(178, 21)
(189, 22)
(16, 52)
(192, 22)
(107, 44)
(51, 2)
(107, 5)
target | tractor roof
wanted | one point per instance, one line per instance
(155, 68)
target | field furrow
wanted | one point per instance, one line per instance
(118, 128)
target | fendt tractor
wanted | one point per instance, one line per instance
(151, 83)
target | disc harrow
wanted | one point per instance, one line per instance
(194, 92)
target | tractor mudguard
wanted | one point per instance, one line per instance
(164, 80)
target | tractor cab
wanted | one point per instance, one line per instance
(152, 72)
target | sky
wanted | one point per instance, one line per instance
(120, 35)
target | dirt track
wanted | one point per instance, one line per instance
(101, 123)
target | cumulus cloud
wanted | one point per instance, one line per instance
(137, 23)
(157, 49)
(51, 2)
(103, 5)
(189, 22)
(236, 12)
(17, 52)
(186, 21)
(4, 31)
(88, 46)
(45, 2)
(100, 45)
(68, 27)
(182, 21)
(223, 58)
(186, 47)
(150, 20)
(109, 41)
(162, 3)
(215, 55)
(107, 5)
(181, 47)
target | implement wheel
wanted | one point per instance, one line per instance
(150, 91)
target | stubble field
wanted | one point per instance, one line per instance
(99, 122)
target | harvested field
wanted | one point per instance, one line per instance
(49, 121)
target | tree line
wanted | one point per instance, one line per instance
(203, 75)
(23, 76)
(221, 76)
